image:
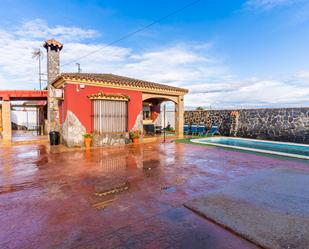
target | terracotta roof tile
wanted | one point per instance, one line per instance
(118, 80)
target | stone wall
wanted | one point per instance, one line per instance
(53, 70)
(105, 139)
(284, 124)
(222, 118)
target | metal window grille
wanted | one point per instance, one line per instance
(110, 116)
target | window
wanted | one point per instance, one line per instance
(146, 112)
(110, 116)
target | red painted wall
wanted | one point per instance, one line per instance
(23, 95)
(156, 108)
(76, 100)
(155, 112)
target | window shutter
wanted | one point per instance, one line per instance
(110, 116)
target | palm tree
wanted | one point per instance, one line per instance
(37, 54)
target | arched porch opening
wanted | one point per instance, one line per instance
(162, 113)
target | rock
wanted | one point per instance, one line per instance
(73, 131)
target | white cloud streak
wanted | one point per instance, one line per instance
(253, 93)
(304, 74)
(271, 4)
(189, 65)
(39, 29)
(296, 11)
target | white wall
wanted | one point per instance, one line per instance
(25, 118)
(169, 116)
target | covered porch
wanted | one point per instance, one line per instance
(13, 102)
(155, 116)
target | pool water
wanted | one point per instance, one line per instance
(280, 148)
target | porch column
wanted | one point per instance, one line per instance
(1, 119)
(6, 121)
(179, 119)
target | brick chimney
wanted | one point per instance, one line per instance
(53, 48)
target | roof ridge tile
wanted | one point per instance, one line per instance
(120, 80)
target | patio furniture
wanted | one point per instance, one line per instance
(214, 130)
(158, 129)
(149, 129)
(194, 129)
(186, 129)
(201, 129)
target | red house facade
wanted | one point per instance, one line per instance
(109, 106)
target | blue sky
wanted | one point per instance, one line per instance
(249, 53)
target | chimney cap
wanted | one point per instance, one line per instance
(53, 43)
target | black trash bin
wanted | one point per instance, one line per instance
(54, 138)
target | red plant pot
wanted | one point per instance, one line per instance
(135, 140)
(88, 142)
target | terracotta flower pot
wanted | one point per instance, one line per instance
(135, 140)
(88, 142)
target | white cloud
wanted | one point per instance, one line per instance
(177, 65)
(39, 29)
(297, 10)
(190, 65)
(252, 93)
(303, 74)
(17, 67)
(270, 4)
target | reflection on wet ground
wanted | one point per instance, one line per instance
(169, 189)
(24, 137)
(114, 190)
(126, 197)
(7, 188)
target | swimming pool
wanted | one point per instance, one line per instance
(262, 146)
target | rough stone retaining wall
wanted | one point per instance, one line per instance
(105, 139)
(284, 124)
(222, 118)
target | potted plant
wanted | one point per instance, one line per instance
(87, 140)
(135, 135)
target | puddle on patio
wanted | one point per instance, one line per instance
(115, 190)
(151, 164)
(111, 181)
(101, 185)
(30, 154)
(102, 191)
(98, 192)
(9, 188)
(169, 189)
(103, 198)
(113, 164)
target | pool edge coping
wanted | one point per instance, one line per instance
(199, 141)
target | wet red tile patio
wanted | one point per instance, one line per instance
(128, 197)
